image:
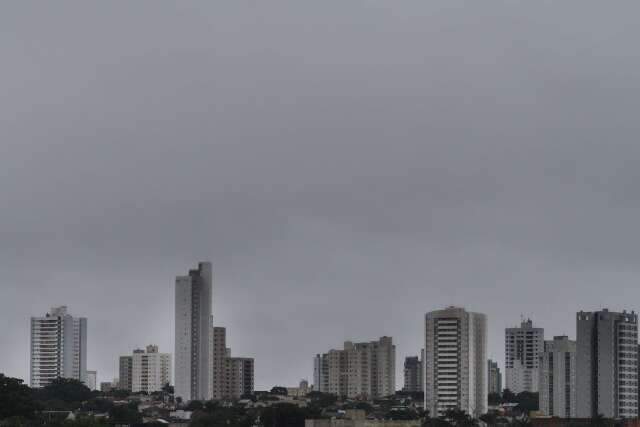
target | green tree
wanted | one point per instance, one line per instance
(67, 390)
(215, 415)
(322, 400)
(460, 418)
(120, 394)
(490, 419)
(365, 406)
(435, 422)
(527, 402)
(495, 399)
(98, 405)
(16, 399)
(403, 414)
(125, 414)
(284, 415)
(508, 396)
(194, 405)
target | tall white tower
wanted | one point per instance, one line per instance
(58, 347)
(192, 323)
(455, 361)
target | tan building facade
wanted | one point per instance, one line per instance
(360, 370)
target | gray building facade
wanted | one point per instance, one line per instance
(193, 309)
(607, 364)
(361, 370)
(557, 378)
(523, 346)
(494, 380)
(413, 374)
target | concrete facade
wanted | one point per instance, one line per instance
(413, 374)
(58, 347)
(361, 370)
(125, 369)
(557, 377)
(455, 361)
(92, 380)
(150, 370)
(231, 377)
(321, 373)
(607, 364)
(494, 381)
(193, 305)
(523, 347)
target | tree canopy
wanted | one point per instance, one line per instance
(16, 399)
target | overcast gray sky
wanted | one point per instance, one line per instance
(345, 165)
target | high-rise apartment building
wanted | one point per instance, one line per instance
(321, 373)
(58, 347)
(557, 377)
(92, 380)
(607, 364)
(523, 347)
(125, 365)
(413, 374)
(193, 307)
(149, 370)
(455, 361)
(360, 370)
(231, 377)
(494, 378)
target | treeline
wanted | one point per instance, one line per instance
(21, 405)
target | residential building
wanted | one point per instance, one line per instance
(494, 378)
(150, 370)
(321, 373)
(455, 361)
(58, 347)
(360, 370)
(523, 346)
(231, 377)
(557, 376)
(607, 364)
(412, 374)
(92, 380)
(125, 382)
(193, 309)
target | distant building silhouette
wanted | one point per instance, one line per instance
(413, 374)
(494, 377)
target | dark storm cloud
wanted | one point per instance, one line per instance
(346, 166)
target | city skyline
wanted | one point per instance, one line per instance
(345, 168)
(311, 376)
